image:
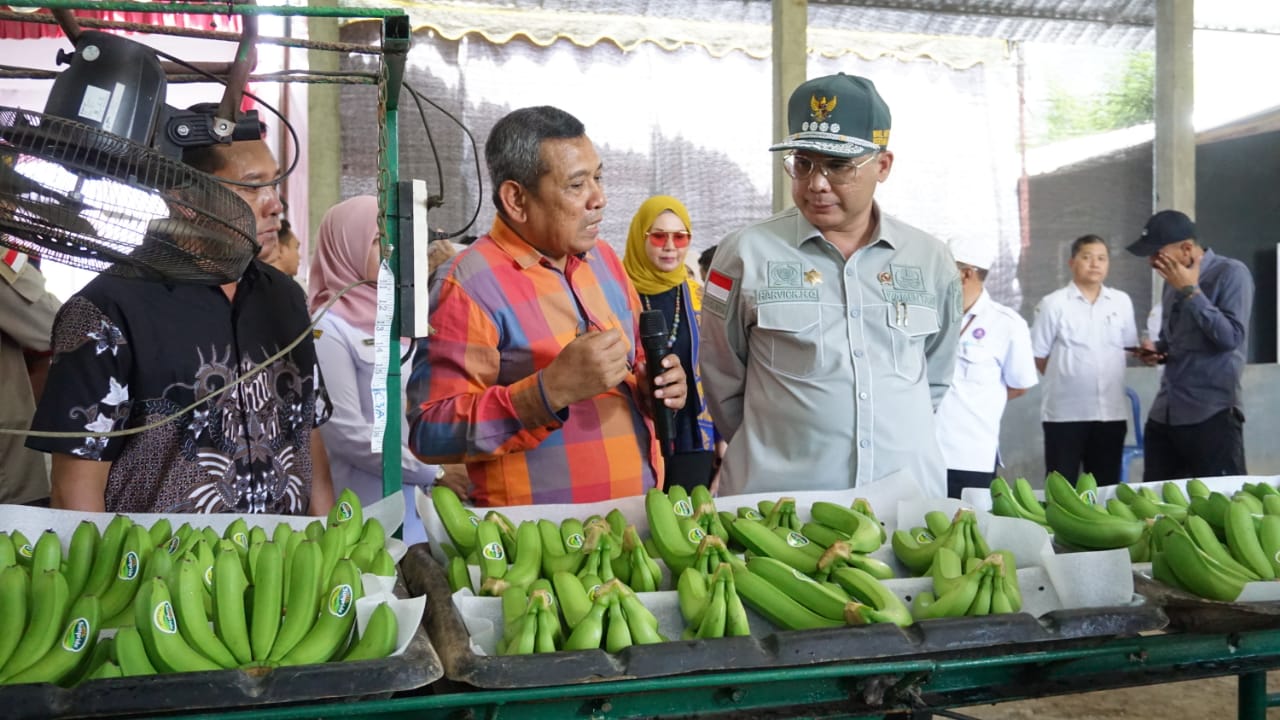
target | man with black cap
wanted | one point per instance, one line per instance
(829, 330)
(1195, 426)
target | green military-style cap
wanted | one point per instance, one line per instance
(839, 115)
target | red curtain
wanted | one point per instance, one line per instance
(18, 30)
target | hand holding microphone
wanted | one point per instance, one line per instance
(653, 338)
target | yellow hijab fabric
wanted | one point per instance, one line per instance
(648, 279)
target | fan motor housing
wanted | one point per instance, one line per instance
(113, 84)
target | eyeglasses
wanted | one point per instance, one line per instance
(659, 238)
(838, 171)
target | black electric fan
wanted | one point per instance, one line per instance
(96, 180)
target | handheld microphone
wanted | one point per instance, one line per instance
(653, 338)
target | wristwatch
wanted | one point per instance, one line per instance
(439, 473)
(1187, 291)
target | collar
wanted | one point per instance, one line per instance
(980, 305)
(805, 230)
(1077, 294)
(510, 242)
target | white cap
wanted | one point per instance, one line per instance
(980, 253)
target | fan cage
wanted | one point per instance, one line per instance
(76, 195)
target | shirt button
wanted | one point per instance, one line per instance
(848, 271)
(857, 353)
(854, 313)
(864, 444)
(863, 396)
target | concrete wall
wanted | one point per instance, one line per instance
(1022, 441)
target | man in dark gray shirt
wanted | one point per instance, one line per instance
(1195, 427)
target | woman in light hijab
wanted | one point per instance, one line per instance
(347, 251)
(654, 259)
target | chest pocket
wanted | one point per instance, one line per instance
(791, 337)
(910, 328)
(976, 362)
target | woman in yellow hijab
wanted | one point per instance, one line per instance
(657, 244)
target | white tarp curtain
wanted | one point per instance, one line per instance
(686, 123)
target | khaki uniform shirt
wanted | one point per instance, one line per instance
(822, 372)
(26, 319)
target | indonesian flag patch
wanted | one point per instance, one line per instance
(719, 286)
(13, 259)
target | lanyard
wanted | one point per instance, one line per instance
(967, 323)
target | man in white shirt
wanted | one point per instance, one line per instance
(994, 364)
(1079, 338)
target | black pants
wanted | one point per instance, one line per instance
(687, 469)
(958, 480)
(1207, 449)
(1091, 446)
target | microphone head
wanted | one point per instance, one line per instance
(652, 323)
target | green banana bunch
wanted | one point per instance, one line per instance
(1201, 533)
(301, 598)
(776, 606)
(671, 542)
(822, 598)
(521, 636)
(1213, 508)
(863, 506)
(704, 511)
(712, 622)
(1243, 540)
(527, 565)
(379, 637)
(459, 522)
(641, 622)
(332, 629)
(48, 604)
(1195, 570)
(645, 573)
(555, 556)
(1006, 500)
(862, 533)
(916, 551)
(958, 598)
(873, 602)
(193, 621)
(1085, 525)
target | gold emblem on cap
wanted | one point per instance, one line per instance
(813, 277)
(821, 108)
(885, 278)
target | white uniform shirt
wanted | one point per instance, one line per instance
(1085, 345)
(994, 354)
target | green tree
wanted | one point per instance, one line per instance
(1129, 100)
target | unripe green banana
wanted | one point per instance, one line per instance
(1173, 494)
(333, 547)
(459, 574)
(572, 596)
(884, 604)
(15, 599)
(172, 650)
(107, 560)
(23, 549)
(103, 652)
(1202, 535)
(1197, 572)
(383, 564)
(938, 522)
(47, 553)
(618, 635)
(1269, 537)
(73, 648)
(118, 596)
(694, 592)
(915, 555)
(1120, 510)
(238, 532)
(314, 530)
(80, 554)
(874, 567)
(548, 634)
(337, 616)
(642, 622)
(1082, 525)
(229, 584)
(302, 598)
(1243, 542)
(1197, 488)
(736, 623)
(374, 533)
(268, 600)
(982, 601)
(131, 653)
(1255, 504)
(954, 603)
(529, 562)
(761, 541)
(48, 605)
(493, 554)
(160, 532)
(1027, 500)
(554, 556)
(818, 597)
(776, 606)
(673, 545)
(347, 513)
(379, 637)
(7, 554)
(713, 618)
(458, 521)
(188, 595)
(589, 630)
